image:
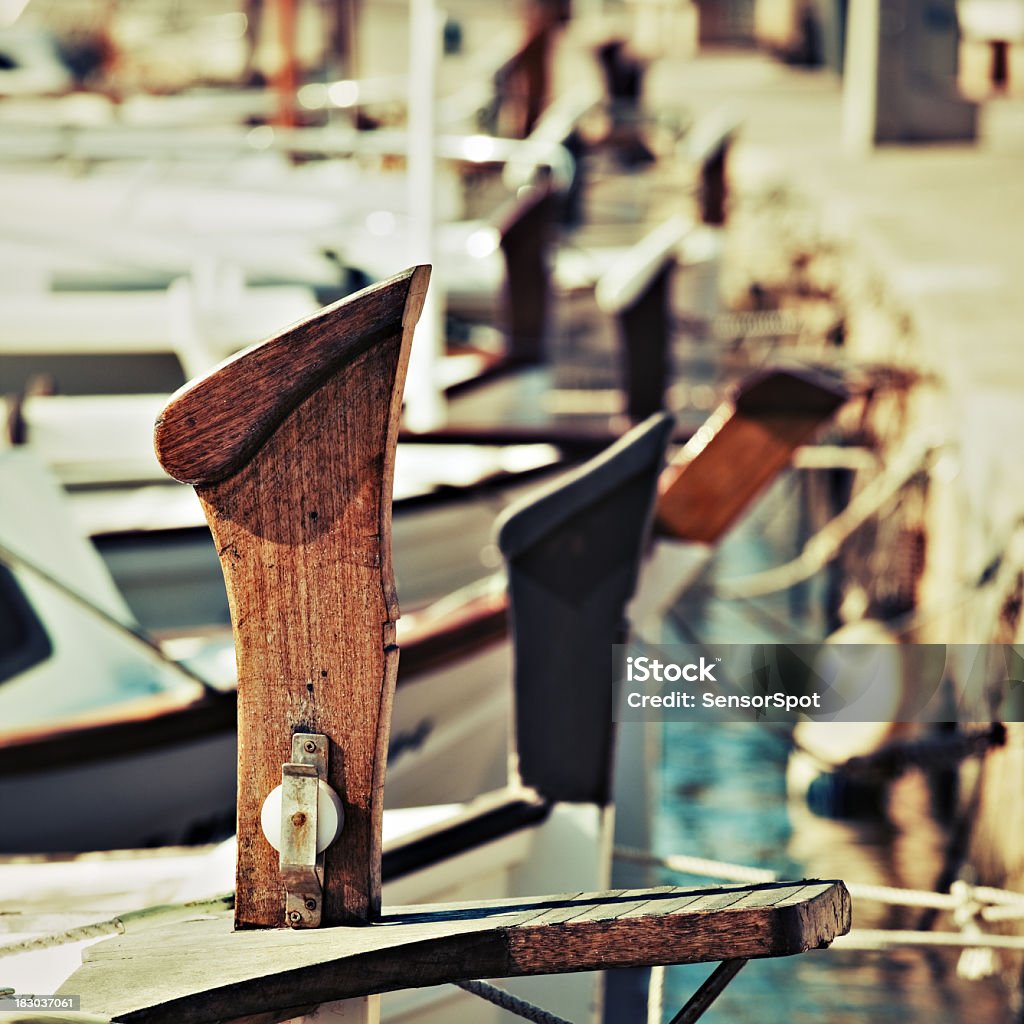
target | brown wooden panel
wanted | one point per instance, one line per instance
(739, 450)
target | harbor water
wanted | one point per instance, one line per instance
(722, 796)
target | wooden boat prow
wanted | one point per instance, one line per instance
(750, 438)
(291, 447)
(313, 614)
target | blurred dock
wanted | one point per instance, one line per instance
(921, 245)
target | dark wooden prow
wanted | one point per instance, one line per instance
(291, 446)
(573, 556)
(559, 125)
(623, 74)
(525, 228)
(749, 438)
(522, 83)
(710, 142)
(741, 447)
(635, 291)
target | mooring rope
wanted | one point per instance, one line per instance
(15, 560)
(824, 546)
(507, 1001)
(1002, 903)
(135, 920)
(871, 939)
(685, 865)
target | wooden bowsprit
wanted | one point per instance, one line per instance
(290, 446)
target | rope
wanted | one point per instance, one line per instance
(697, 866)
(1010, 902)
(135, 920)
(14, 560)
(507, 1001)
(1005, 913)
(978, 960)
(85, 931)
(871, 939)
(824, 546)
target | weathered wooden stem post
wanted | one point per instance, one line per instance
(292, 459)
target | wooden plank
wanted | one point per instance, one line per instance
(739, 450)
(202, 971)
(291, 447)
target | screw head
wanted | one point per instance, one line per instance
(310, 747)
(298, 819)
(294, 917)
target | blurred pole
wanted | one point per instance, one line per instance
(424, 405)
(899, 75)
(344, 26)
(286, 79)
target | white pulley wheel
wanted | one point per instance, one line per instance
(330, 817)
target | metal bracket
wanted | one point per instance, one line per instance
(302, 869)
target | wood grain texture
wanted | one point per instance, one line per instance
(202, 971)
(212, 426)
(740, 448)
(306, 426)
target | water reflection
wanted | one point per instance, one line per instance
(723, 796)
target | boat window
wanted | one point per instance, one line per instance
(23, 641)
